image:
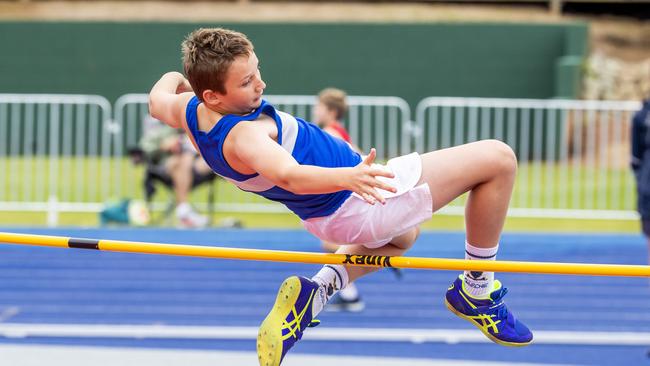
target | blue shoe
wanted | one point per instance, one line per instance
(491, 316)
(286, 321)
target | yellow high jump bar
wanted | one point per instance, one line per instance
(320, 258)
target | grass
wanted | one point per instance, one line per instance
(286, 220)
(584, 187)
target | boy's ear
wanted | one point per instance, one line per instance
(211, 97)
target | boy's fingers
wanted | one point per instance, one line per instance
(371, 157)
(382, 173)
(376, 196)
(386, 187)
(368, 198)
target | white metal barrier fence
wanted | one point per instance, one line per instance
(380, 122)
(573, 155)
(68, 152)
(55, 153)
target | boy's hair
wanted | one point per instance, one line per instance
(208, 54)
(334, 99)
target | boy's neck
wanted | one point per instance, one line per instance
(220, 112)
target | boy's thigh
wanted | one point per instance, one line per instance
(453, 171)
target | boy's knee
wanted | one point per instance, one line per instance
(406, 240)
(503, 156)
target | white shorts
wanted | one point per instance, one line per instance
(373, 226)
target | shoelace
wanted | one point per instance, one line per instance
(501, 310)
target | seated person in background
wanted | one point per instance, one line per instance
(171, 149)
(328, 113)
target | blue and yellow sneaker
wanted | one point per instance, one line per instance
(286, 321)
(491, 315)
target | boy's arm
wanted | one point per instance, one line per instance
(169, 97)
(259, 152)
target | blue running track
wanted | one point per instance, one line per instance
(62, 286)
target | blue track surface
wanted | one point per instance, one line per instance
(50, 285)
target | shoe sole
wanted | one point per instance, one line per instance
(487, 334)
(269, 337)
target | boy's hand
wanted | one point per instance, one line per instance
(363, 180)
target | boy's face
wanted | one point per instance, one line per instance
(323, 115)
(244, 86)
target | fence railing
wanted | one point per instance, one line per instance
(63, 153)
(55, 152)
(573, 155)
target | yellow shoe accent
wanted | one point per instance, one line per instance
(269, 337)
(488, 323)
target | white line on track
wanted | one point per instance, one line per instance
(451, 336)
(35, 355)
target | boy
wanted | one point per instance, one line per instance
(340, 196)
(329, 111)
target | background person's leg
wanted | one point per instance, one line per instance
(179, 167)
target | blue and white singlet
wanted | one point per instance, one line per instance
(306, 142)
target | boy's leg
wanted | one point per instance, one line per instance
(332, 278)
(300, 299)
(348, 298)
(398, 246)
(487, 170)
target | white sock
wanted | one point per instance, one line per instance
(479, 284)
(330, 279)
(349, 292)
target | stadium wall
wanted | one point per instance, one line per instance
(412, 61)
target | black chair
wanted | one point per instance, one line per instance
(156, 174)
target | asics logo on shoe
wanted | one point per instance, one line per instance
(483, 321)
(293, 327)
